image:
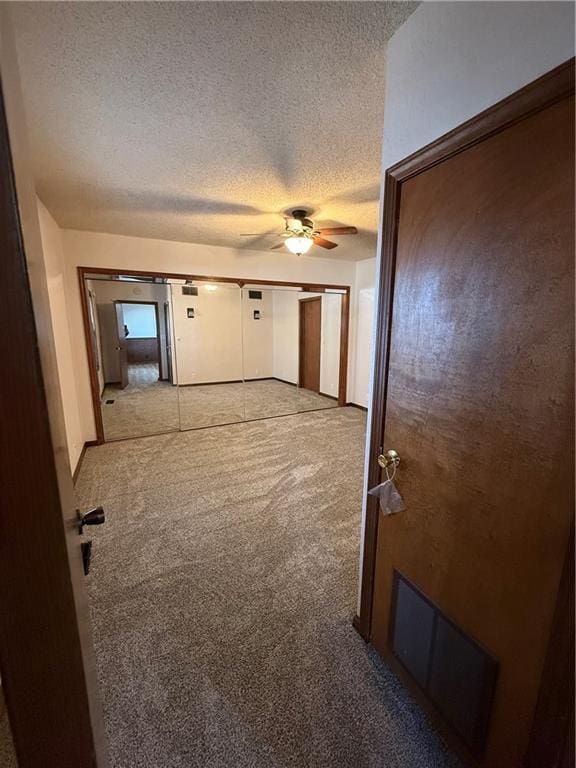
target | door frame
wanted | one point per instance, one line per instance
(84, 274)
(534, 97)
(159, 344)
(301, 344)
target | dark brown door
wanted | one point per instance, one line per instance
(121, 345)
(310, 340)
(46, 655)
(480, 409)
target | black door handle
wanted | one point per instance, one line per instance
(94, 516)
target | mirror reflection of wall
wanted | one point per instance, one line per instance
(176, 354)
(320, 317)
(207, 320)
(291, 348)
(270, 340)
(130, 341)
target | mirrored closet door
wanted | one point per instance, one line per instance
(175, 354)
(131, 360)
(291, 347)
(207, 323)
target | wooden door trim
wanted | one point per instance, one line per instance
(91, 358)
(301, 302)
(554, 715)
(84, 274)
(547, 90)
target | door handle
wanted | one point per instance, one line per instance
(94, 516)
(388, 459)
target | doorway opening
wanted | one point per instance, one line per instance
(129, 342)
(138, 327)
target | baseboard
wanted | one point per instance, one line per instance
(292, 383)
(358, 625)
(360, 407)
(210, 383)
(330, 397)
(87, 444)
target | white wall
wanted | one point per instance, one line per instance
(364, 289)
(209, 345)
(285, 336)
(258, 335)
(330, 343)
(55, 275)
(451, 60)
(94, 249)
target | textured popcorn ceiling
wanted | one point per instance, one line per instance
(199, 121)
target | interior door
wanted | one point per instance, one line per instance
(121, 345)
(480, 410)
(310, 341)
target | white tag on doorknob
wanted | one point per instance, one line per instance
(391, 502)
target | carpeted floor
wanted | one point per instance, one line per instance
(145, 407)
(222, 590)
(148, 406)
(7, 756)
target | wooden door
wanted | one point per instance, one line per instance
(46, 655)
(121, 345)
(310, 341)
(479, 407)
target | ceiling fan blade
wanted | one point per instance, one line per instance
(260, 234)
(338, 231)
(324, 243)
(277, 247)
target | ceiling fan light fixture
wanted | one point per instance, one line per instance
(299, 245)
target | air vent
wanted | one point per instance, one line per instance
(189, 290)
(255, 294)
(453, 670)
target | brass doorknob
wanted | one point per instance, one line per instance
(388, 459)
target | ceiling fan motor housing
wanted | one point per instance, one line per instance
(301, 216)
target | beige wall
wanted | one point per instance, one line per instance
(209, 345)
(56, 275)
(258, 336)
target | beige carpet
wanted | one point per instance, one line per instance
(222, 589)
(148, 406)
(7, 755)
(145, 407)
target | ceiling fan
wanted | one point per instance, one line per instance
(301, 234)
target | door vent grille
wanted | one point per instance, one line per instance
(452, 669)
(255, 294)
(189, 290)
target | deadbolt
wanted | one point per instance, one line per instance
(388, 459)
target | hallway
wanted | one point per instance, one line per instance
(222, 591)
